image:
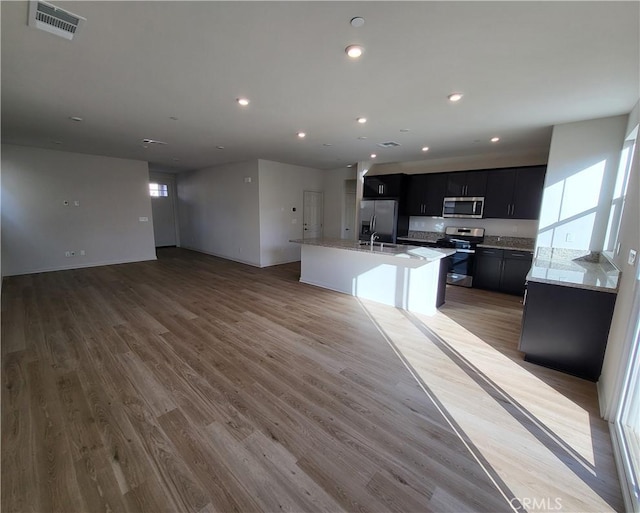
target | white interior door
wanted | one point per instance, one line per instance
(163, 209)
(349, 223)
(312, 214)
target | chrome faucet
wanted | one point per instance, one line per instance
(374, 236)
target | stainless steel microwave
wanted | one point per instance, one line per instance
(470, 208)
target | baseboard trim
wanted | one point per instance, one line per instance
(224, 257)
(78, 266)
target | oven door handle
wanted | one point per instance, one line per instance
(471, 251)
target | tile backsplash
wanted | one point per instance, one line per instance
(521, 228)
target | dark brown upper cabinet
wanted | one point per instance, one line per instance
(466, 183)
(425, 193)
(384, 186)
(514, 193)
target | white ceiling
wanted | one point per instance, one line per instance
(523, 67)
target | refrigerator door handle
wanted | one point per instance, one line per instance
(373, 224)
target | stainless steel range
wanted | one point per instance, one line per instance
(464, 241)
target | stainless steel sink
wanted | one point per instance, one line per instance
(380, 245)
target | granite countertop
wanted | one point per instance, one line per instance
(386, 249)
(584, 271)
(512, 243)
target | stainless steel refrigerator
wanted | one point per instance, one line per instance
(381, 217)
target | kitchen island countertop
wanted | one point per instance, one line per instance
(387, 249)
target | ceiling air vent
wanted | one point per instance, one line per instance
(389, 144)
(50, 18)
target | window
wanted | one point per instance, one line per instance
(620, 192)
(158, 190)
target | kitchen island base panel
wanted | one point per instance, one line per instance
(405, 283)
(566, 328)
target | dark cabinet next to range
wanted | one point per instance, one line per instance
(466, 183)
(385, 186)
(426, 193)
(514, 193)
(503, 270)
(566, 328)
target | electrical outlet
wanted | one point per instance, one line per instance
(632, 257)
(143, 219)
(76, 203)
(67, 253)
(82, 253)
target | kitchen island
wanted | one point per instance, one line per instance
(409, 277)
(568, 310)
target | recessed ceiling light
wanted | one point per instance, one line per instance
(301, 135)
(75, 118)
(358, 21)
(349, 165)
(373, 155)
(455, 97)
(362, 121)
(173, 118)
(219, 147)
(354, 51)
(425, 148)
(362, 137)
(495, 139)
(405, 129)
(243, 101)
(327, 144)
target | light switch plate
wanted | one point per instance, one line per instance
(632, 257)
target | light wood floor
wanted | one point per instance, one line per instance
(197, 384)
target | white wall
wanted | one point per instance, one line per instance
(38, 228)
(581, 173)
(281, 190)
(334, 190)
(624, 318)
(219, 211)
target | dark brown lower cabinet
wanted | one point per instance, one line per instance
(566, 328)
(503, 270)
